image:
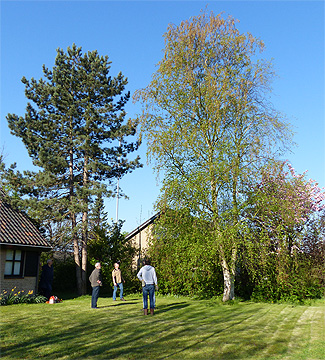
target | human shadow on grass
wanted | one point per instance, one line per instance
(117, 304)
(125, 303)
(164, 342)
(170, 307)
(65, 341)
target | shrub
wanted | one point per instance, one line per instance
(184, 255)
(64, 275)
(20, 297)
(109, 245)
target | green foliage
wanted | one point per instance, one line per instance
(282, 273)
(78, 110)
(187, 263)
(107, 244)
(64, 275)
(20, 297)
(210, 127)
(290, 287)
(184, 256)
(282, 256)
(75, 130)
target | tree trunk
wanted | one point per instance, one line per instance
(78, 269)
(84, 253)
(229, 276)
(76, 256)
(228, 281)
(76, 252)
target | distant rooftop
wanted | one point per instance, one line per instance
(142, 226)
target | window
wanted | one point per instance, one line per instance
(14, 263)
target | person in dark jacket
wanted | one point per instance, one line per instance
(46, 280)
(95, 279)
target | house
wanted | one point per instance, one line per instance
(21, 245)
(140, 238)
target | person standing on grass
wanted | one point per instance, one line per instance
(46, 280)
(147, 275)
(95, 279)
(117, 281)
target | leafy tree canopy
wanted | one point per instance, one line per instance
(75, 131)
(210, 124)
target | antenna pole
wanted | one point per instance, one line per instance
(117, 195)
(118, 186)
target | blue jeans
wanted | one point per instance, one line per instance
(148, 289)
(120, 285)
(94, 296)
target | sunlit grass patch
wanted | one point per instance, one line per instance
(181, 328)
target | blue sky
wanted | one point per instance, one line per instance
(131, 34)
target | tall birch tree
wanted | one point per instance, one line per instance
(210, 125)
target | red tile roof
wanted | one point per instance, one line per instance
(17, 229)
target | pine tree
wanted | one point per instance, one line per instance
(74, 130)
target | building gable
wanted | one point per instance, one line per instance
(140, 238)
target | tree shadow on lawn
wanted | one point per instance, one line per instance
(234, 321)
(158, 338)
(83, 341)
(64, 342)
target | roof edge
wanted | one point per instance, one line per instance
(30, 246)
(142, 226)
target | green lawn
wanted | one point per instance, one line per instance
(180, 329)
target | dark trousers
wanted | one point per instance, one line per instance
(46, 292)
(94, 296)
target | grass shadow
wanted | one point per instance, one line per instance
(179, 330)
(171, 307)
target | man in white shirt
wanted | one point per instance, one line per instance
(147, 275)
